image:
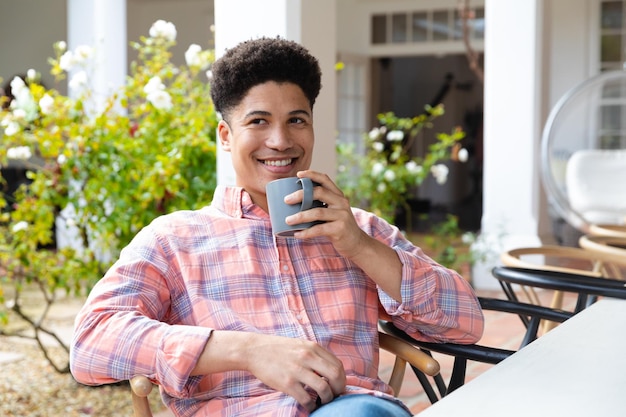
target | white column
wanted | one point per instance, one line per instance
(102, 25)
(310, 23)
(513, 122)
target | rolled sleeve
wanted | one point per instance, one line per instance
(438, 305)
(180, 348)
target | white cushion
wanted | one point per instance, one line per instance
(596, 185)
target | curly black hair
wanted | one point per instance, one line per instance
(257, 61)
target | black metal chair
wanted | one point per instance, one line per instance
(436, 387)
(586, 288)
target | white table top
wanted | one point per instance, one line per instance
(577, 369)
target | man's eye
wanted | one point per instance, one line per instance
(258, 121)
(296, 120)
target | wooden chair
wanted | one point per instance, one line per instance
(404, 352)
(562, 259)
(610, 247)
(608, 230)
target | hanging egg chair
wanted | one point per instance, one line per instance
(583, 158)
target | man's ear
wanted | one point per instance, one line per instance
(223, 133)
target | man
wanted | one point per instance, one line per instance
(230, 320)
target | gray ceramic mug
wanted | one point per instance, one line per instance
(279, 210)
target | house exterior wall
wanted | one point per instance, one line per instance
(193, 20)
(28, 30)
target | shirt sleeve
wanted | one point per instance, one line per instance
(438, 304)
(123, 331)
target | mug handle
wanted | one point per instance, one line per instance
(307, 189)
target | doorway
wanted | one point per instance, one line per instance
(405, 85)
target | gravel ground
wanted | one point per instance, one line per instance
(30, 387)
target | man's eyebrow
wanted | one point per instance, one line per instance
(254, 113)
(300, 112)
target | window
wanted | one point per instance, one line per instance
(612, 35)
(425, 26)
(379, 29)
(612, 103)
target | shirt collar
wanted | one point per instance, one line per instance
(236, 202)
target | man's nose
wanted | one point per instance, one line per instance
(279, 139)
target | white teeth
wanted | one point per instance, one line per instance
(282, 163)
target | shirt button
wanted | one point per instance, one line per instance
(285, 267)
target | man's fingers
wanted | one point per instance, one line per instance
(320, 385)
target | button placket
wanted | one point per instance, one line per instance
(296, 304)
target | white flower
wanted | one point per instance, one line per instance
(160, 99)
(23, 99)
(413, 168)
(374, 133)
(78, 81)
(468, 238)
(377, 169)
(22, 225)
(11, 128)
(381, 187)
(19, 114)
(390, 175)
(378, 146)
(62, 45)
(31, 74)
(463, 155)
(395, 136)
(66, 62)
(22, 153)
(163, 29)
(209, 75)
(153, 85)
(192, 55)
(17, 86)
(46, 103)
(83, 53)
(61, 159)
(440, 172)
(155, 90)
(195, 57)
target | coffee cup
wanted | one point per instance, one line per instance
(279, 210)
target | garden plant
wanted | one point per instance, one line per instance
(99, 166)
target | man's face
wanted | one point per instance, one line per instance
(269, 135)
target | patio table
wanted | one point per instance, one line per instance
(577, 369)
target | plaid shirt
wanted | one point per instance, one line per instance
(220, 267)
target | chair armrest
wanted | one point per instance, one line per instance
(524, 309)
(140, 388)
(472, 352)
(405, 350)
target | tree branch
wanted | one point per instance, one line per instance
(473, 57)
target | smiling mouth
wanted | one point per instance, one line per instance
(279, 163)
